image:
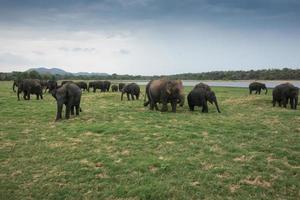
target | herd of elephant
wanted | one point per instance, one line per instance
(161, 91)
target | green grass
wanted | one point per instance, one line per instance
(121, 150)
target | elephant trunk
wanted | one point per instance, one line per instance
(122, 95)
(217, 106)
(14, 87)
(181, 100)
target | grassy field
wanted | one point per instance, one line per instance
(121, 150)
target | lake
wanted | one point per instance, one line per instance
(242, 84)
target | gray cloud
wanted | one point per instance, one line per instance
(94, 14)
(124, 51)
(10, 59)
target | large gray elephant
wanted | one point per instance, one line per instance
(164, 91)
(257, 87)
(101, 85)
(69, 95)
(199, 96)
(284, 93)
(132, 90)
(29, 86)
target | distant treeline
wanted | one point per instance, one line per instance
(266, 74)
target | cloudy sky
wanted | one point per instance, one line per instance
(149, 36)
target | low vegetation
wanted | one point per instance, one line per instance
(121, 150)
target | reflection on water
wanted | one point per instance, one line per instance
(242, 84)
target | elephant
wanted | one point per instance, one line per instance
(203, 86)
(164, 91)
(30, 86)
(15, 84)
(68, 94)
(97, 85)
(64, 82)
(44, 84)
(285, 92)
(257, 87)
(106, 86)
(51, 84)
(121, 86)
(114, 88)
(199, 96)
(82, 85)
(131, 89)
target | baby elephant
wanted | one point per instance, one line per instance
(114, 88)
(199, 96)
(70, 95)
(131, 89)
(257, 87)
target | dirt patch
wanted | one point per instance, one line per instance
(101, 176)
(195, 183)
(207, 166)
(257, 181)
(152, 169)
(217, 149)
(243, 158)
(57, 144)
(87, 163)
(205, 133)
(16, 173)
(223, 175)
(90, 134)
(125, 153)
(233, 188)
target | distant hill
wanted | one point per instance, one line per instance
(55, 71)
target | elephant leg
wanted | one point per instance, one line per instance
(128, 98)
(37, 96)
(192, 107)
(59, 110)
(24, 95)
(164, 105)
(174, 104)
(250, 91)
(68, 109)
(156, 107)
(274, 103)
(284, 102)
(28, 96)
(77, 109)
(94, 90)
(259, 91)
(41, 96)
(18, 94)
(151, 105)
(72, 110)
(132, 96)
(205, 107)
